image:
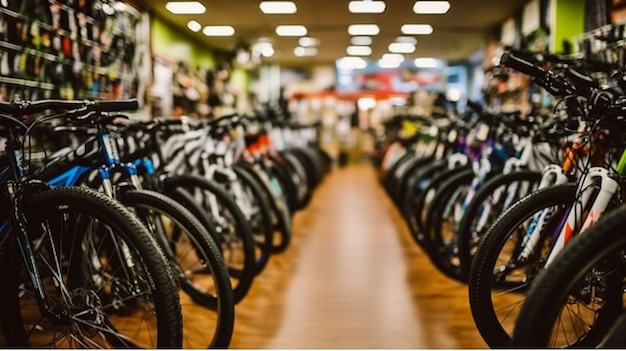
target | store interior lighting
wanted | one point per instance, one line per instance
(416, 29)
(218, 31)
(363, 29)
(185, 7)
(359, 50)
(431, 7)
(290, 30)
(278, 7)
(361, 40)
(366, 6)
(194, 26)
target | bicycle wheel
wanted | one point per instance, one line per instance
(579, 297)
(106, 282)
(197, 263)
(442, 221)
(259, 216)
(280, 214)
(498, 277)
(235, 238)
(489, 202)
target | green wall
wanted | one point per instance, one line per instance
(175, 45)
(569, 21)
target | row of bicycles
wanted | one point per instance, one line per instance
(527, 211)
(120, 233)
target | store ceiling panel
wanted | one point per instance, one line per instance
(456, 35)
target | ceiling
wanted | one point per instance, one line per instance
(456, 35)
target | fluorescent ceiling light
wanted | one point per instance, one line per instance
(185, 7)
(401, 48)
(350, 63)
(302, 51)
(431, 7)
(393, 57)
(363, 29)
(278, 7)
(428, 62)
(404, 39)
(194, 26)
(359, 50)
(263, 48)
(267, 51)
(291, 30)
(366, 6)
(416, 29)
(361, 40)
(308, 41)
(382, 63)
(218, 31)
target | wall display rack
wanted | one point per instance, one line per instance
(70, 49)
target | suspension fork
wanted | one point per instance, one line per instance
(551, 175)
(608, 186)
(28, 254)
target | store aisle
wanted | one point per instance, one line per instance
(353, 279)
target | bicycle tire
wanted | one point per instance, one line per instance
(467, 239)
(562, 290)
(235, 239)
(196, 262)
(280, 214)
(50, 211)
(497, 331)
(442, 233)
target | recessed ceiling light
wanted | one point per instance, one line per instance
(406, 39)
(278, 7)
(428, 62)
(359, 50)
(417, 29)
(291, 30)
(185, 7)
(391, 60)
(194, 26)
(263, 48)
(382, 63)
(363, 29)
(366, 6)
(361, 40)
(401, 48)
(308, 41)
(431, 7)
(218, 31)
(351, 62)
(302, 51)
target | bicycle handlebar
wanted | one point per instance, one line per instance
(31, 107)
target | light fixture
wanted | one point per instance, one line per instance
(308, 41)
(366, 6)
(382, 63)
(278, 7)
(363, 29)
(431, 7)
(351, 62)
(185, 7)
(359, 50)
(393, 57)
(361, 40)
(401, 48)
(218, 31)
(406, 39)
(263, 48)
(366, 103)
(428, 62)
(303, 52)
(194, 26)
(417, 29)
(289, 30)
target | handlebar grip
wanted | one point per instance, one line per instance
(522, 65)
(117, 105)
(582, 82)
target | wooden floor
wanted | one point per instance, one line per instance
(353, 278)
